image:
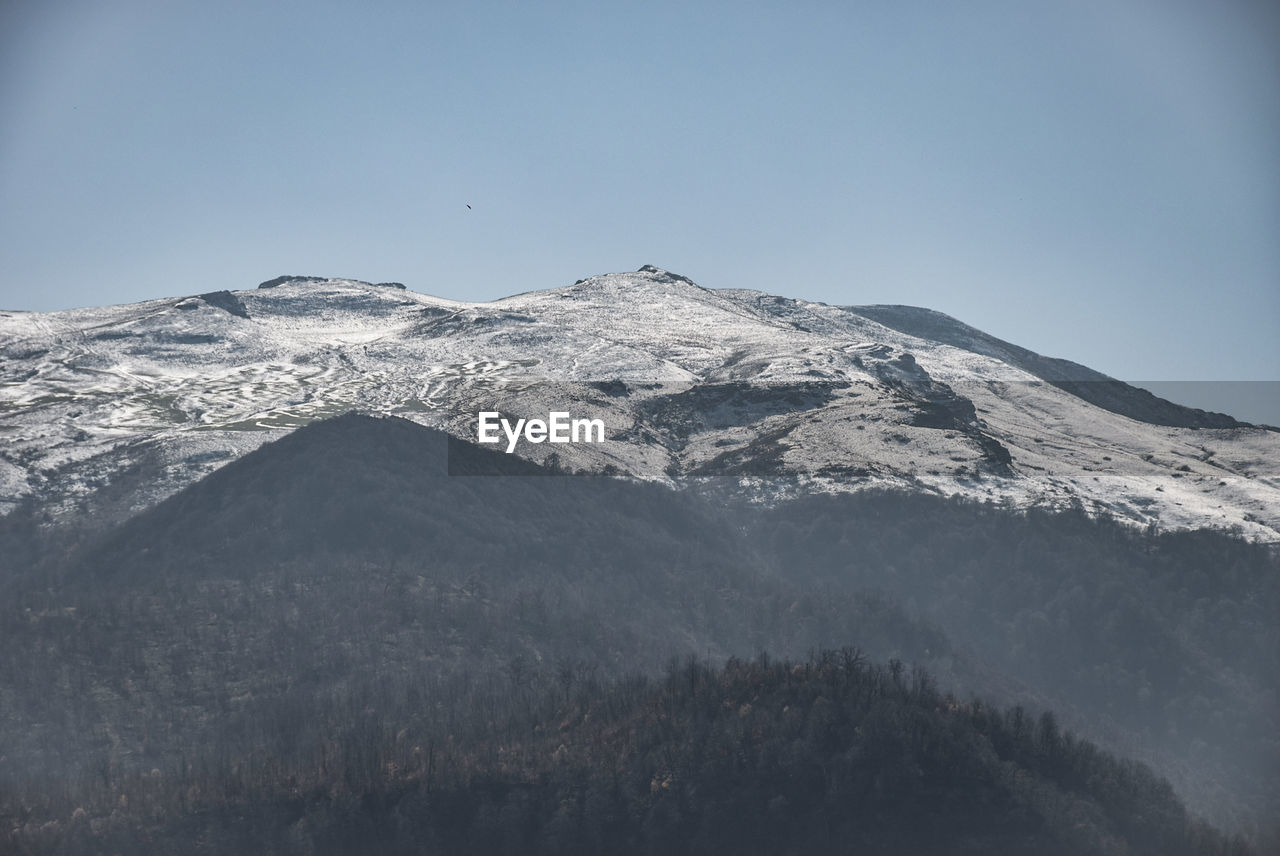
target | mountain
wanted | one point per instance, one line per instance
(214, 573)
(109, 410)
(368, 562)
(378, 575)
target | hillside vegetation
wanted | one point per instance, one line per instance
(267, 641)
(828, 756)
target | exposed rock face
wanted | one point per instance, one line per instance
(227, 301)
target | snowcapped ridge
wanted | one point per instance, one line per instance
(774, 393)
(293, 279)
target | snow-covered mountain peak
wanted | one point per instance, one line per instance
(691, 382)
(649, 287)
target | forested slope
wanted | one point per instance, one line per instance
(829, 756)
(363, 581)
(1165, 644)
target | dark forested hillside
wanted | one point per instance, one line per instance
(1166, 644)
(343, 569)
(272, 643)
(828, 756)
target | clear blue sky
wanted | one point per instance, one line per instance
(1096, 180)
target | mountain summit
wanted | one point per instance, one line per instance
(773, 394)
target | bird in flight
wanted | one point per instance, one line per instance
(468, 207)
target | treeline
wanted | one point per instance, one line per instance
(127, 678)
(832, 755)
